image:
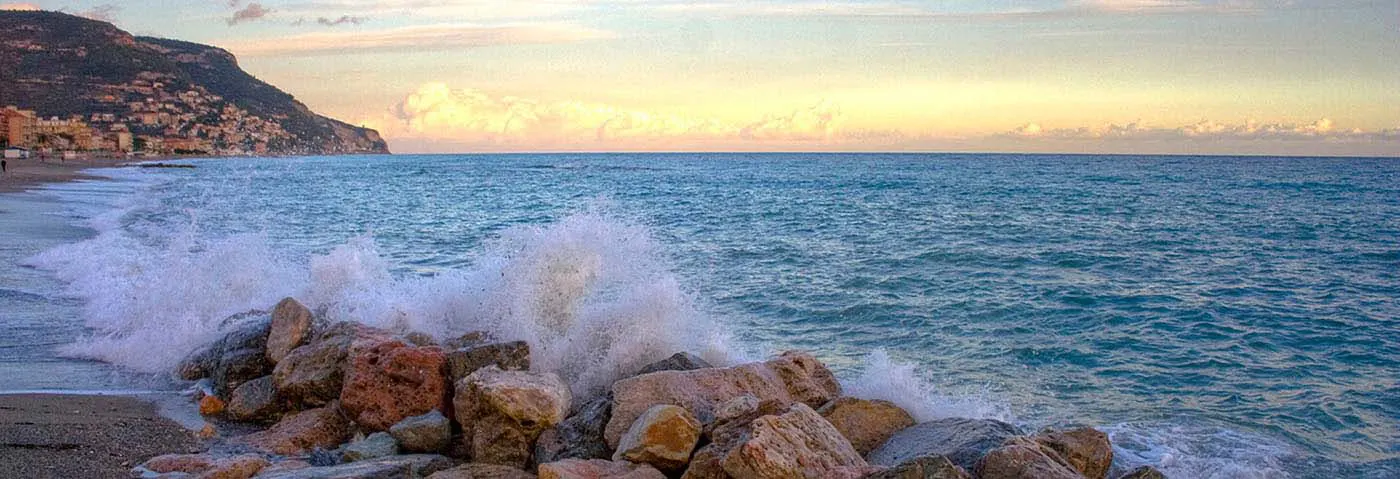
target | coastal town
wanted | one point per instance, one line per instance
(141, 118)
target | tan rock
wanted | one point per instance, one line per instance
(211, 406)
(926, 467)
(707, 463)
(1144, 472)
(503, 412)
(597, 469)
(1087, 450)
(792, 377)
(237, 467)
(295, 434)
(482, 471)
(291, 327)
(866, 423)
(186, 463)
(796, 444)
(387, 381)
(1024, 458)
(664, 437)
(314, 374)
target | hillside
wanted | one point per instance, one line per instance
(62, 65)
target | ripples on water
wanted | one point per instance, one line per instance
(1222, 298)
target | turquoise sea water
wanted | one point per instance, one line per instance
(1220, 317)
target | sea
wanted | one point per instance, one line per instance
(1218, 317)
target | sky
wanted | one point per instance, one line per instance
(1270, 77)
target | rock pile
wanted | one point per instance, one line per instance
(345, 400)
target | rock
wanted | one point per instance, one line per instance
(1024, 458)
(198, 364)
(1144, 472)
(792, 377)
(866, 423)
(374, 446)
(298, 433)
(211, 406)
(241, 356)
(314, 374)
(707, 463)
(291, 327)
(431, 432)
(578, 437)
(512, 356)
(419, 339)
(503, 412)
(472, 339)
(963, 441)
(925, 467)
(1087, 450)
(237, 467)
(284, 466)
(207, 432)
(664, 437)
(597, 469)
(387, 381)
(388, 467)
(482, 471)
(732, 418)
(798, 443)
(187, 463)
(254, 401)
(677, 362)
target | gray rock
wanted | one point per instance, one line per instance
(379, 444)
(291, 327)
(469, 340)
(925, 467)
(482, 471)
(578, 437)
(430, 432)
(511, 356)
(390, 467)
(677, 362)
(254, 401)
(238, 357)
(1144, 472)
(963, 441)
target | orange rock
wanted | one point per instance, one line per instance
(866, 423)
(238, 467)
(322, 427)
(664, 437)
(186, 463)
(208, 431)
(597, 469)
(211, 406)
(388, 380)
(796, 444)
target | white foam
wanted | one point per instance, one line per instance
(1197, 451)
(882, 377)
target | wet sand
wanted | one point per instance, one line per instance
(78, 436)
(20, 175)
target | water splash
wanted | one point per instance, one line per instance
(899, 382)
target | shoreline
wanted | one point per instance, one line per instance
(58, 435)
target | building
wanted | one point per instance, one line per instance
(61, 134)
(17, 126)
(16, 153)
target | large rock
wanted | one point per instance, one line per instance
(731, 425)
(254, 401)
(511, 356)
(291, 327)
(412, 466)
(168, 463)
(963, 441)
(503, 412)
(298, 433)
(387, 381)
(431, 432)
(707, 463)
(926, 467)
(597, 469)
(677, 362)
(237, 357)
(373, 446)
(792, 377)
(866, 423)
(314, 374)
(237, 467)
(798, 443)
(1144, 472)
(1087, 450)
(578, 437)
(482, 471)
(1024, 458)
(664, 437)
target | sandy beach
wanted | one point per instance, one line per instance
(20, 175)
(76, 436)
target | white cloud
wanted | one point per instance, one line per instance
(1322, 129)
(417, 38)
(254, 11)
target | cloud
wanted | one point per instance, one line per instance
(344, 19)
(253, 11)
(1251, 130)
(477, 120)
(27, 7)
(102, 13)
(418, 38)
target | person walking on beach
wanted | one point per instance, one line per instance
(3, 166)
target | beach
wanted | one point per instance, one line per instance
(28, 173)
(83, 436)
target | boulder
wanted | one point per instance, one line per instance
(1087, 450)
(482, 471)
(1024, 458)
(512, 356)
(664, 437)
(373, 446)
(431, 432)
(707, 463)
(792, 377)
(925, 467)
(186, 463)
(798, 443)
(474, 338)
(731, 425)
(242, 356)
(291, 327)
(578, 437)
(677, 362)
(314, 374)
(1144, 472)
(503, 412)
(387, 381)
(388, 467)
(962, 440)
(420, 339)
(237, 467)
(198, 364)
(597, 469)
(866, 423)
(298, 433)
(254, 401)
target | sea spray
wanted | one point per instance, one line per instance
(883, 377)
